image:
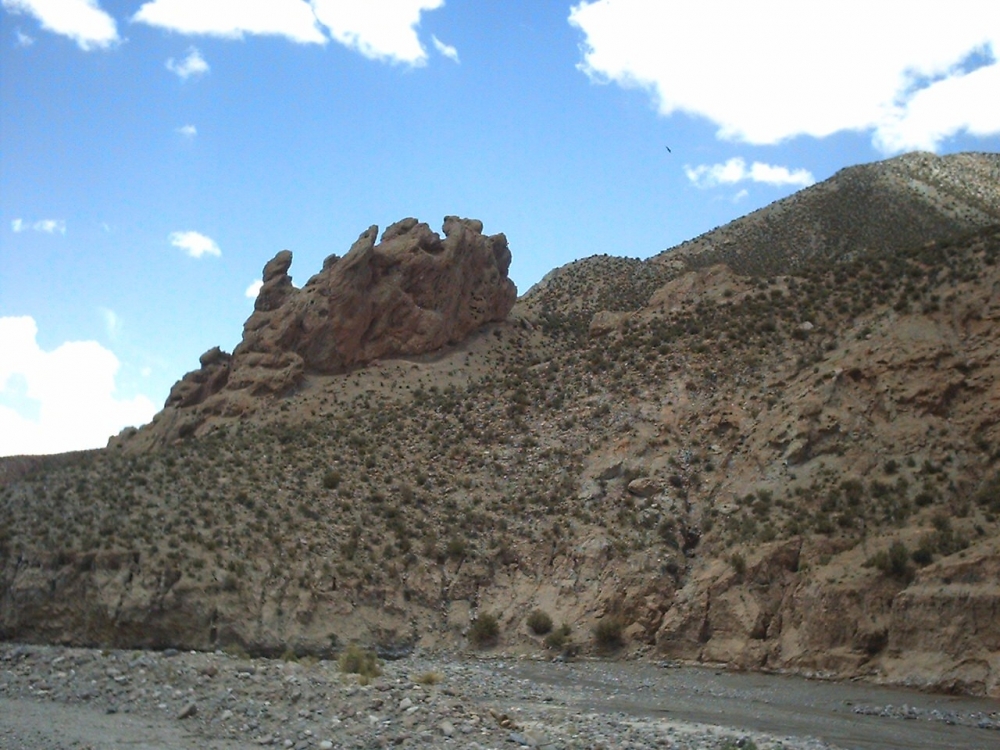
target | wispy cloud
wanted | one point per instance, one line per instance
(23, 40)
(49, 226)
(445, 49)
(192, 65)
(195, 244)
(188, 131)
(735, 170)
(909, 79)
(112, 323)
(83, 21)
(254, 289)
(59, 400)
(292, 19)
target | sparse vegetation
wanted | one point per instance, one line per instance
(429, 678)
(739, 565)
(559, 638)
(484, 631)
(539, 622)
(609, 633)
(894, 562)
(359, 661)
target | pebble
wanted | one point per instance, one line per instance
(479, 705)
(188, 711)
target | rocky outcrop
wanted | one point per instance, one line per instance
(206, 381)
(408, 294)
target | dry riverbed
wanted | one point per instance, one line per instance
(53, 697)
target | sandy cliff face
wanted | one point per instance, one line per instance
(739, 452)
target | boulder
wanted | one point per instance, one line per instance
(644, 487)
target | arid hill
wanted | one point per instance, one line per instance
(774, 447)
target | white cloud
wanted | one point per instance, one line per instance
(192, 65)
(50, 226)
(933, 114)
(445, 49)
(23, 40)
(775, 69)
(378, 29)
(771, 175)
(292, 19)
(195, 244)
(254, 289)
(735, 170)
(188, 131)
(81, 20)
(59, 400)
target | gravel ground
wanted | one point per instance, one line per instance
(53, 697)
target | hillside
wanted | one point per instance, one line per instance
(775, 447)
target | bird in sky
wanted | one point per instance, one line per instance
(668, 150)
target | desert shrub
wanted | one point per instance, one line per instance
(608, 633)
(559, 637)
(739, 564)
(485, 631)
(539, 622)
(988, 495)
(359, 661)
(893, 562)
(331, 480)
(429, 678)
(922, 556)
(854, 491)
(943, 540)
(237, 650)
(456, 548)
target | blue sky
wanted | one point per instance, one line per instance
(154, 155)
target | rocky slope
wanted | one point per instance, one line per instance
(774, 447)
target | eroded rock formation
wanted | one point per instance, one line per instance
(408, 294)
